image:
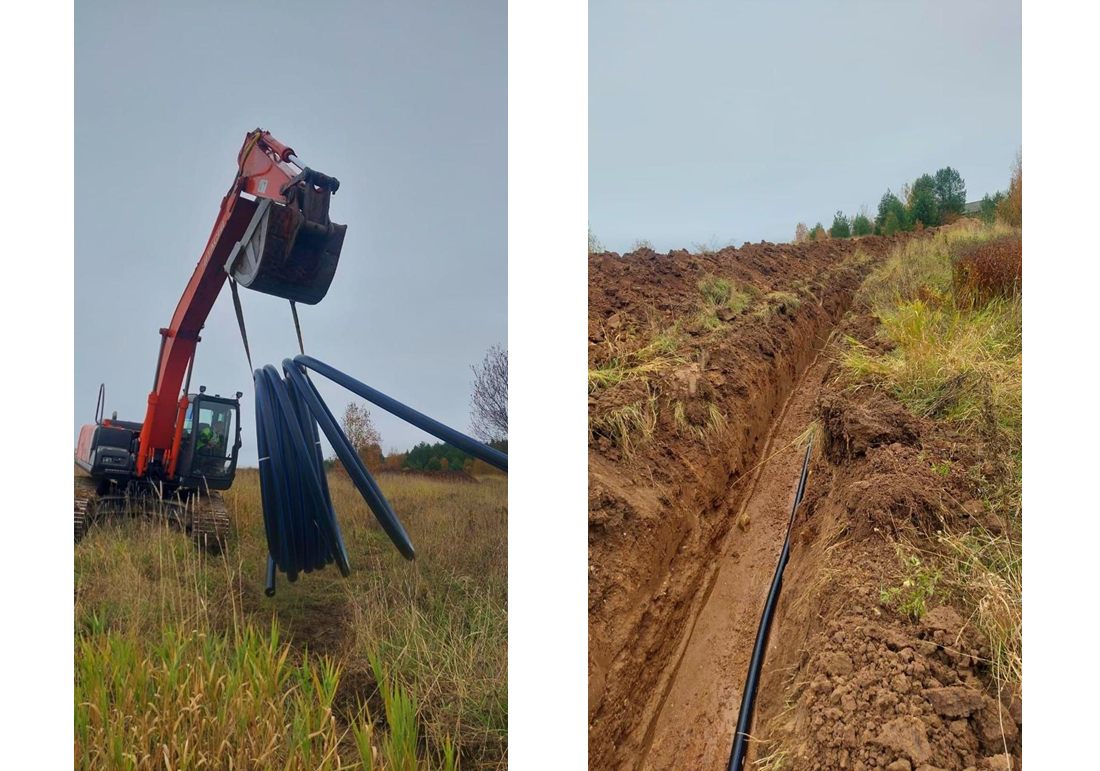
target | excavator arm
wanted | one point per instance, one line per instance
(272, 234)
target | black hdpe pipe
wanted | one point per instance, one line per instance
(748, 696)
(303, 534)
(465, 443)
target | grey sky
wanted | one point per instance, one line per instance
(737, 120)
(406, 106)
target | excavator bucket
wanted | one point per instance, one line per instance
(291, 250)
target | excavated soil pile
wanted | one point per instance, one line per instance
(849, 683)
(676, 440)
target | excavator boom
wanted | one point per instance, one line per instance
(272, 234)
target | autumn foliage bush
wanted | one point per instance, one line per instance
(982, 272)
(1011, 209)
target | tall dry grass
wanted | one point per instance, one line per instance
(170, 642)
(959, 360)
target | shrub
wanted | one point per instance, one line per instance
(890, 203)
(986, 271)
(861, 225)
(891, 225)
(840, 228)
(1011, 208)
(988, 211)
(594, 245)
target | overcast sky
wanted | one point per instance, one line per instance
(736, 120)
(406, 106)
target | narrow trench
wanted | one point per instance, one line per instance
(694, 721)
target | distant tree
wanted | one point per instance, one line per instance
(489, 397)
(641, 243)
(891, 225)
(372, 457)
(950, 191)
(890, 203)
(801, 233)
(362, 435)
(922, 202)
(434, 464)
(1011, 208)
(818, 233)
(395, 460)
(988, 212)
(841, 227)
(861, 225)
(421, 456)
(444, 464)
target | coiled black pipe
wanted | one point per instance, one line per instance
(748, 696)
(299, 520)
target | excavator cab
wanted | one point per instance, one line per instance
(209, 442)
(291, 250)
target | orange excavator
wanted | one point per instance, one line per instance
(273, 235)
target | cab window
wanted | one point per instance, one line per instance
(213, 432)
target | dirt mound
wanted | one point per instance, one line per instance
(855, 424)
(882, 695)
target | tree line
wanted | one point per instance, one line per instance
(933, 199)
(488, 422)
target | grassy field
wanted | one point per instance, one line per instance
(181, 662)
(959, 361)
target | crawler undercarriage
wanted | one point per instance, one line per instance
(202, 515)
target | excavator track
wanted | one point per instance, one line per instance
(209, 522)
(84, 500)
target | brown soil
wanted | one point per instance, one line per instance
(659, 518)
(676, 589)
(850, 683)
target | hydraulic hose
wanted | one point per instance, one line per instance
(748, 696)
(300, 522)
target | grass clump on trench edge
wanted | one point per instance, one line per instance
(628, 356)
(720, 296)
(181, 662)
(637, 357)
(960, 363)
